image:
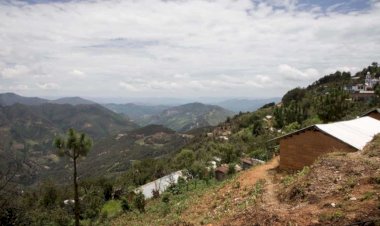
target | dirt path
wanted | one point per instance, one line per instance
(251, 176)
(212, 203)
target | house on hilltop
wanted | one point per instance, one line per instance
(301, 148)
(363, 91)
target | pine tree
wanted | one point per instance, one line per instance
(74, 146)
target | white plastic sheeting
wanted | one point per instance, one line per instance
(357, 132)
(161, 184)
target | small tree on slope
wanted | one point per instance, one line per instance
(74, 145)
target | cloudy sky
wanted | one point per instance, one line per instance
(181, 48)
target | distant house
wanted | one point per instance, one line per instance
(247, 163)
(221, 172)
(362, 95)
(302, 147)
(363, 91)
(374, 113)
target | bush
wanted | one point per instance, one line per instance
(139, 202)
(91, 206)
(125, 205)
(49, 194)
(13, 216)
(181, 181)
(156, 193)
(165, 198)
(107, 191)
(231, 168)
(175, 189)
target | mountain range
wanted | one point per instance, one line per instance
(7, 99)
(190, 116)
(28, 126)
(180, 118)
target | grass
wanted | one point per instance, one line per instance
(367, 196)
(331, 217)
(289, 179)
(111, 209)
(160, 213)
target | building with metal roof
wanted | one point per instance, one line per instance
(302, 147)
(374, 113)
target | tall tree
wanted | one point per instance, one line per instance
(74, 145)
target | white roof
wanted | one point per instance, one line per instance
(161, 184)
(357, 132)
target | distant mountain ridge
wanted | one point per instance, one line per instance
(244, 105)
(180, 118)
(7, 99)
(137, 112)
(190, 116)
(72, 101)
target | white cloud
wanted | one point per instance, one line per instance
(159, 48)
(14, 71)
(48, 86)
(78, 73)
(181, 76)
(128, 87)
(19, 87)
(292, 73)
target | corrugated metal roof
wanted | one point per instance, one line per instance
(161, 184)
(357, 132)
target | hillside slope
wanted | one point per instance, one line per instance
(30, 130)
(113, 155)
(338, 189)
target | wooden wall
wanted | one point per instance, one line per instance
(374, 114)
(303, 148)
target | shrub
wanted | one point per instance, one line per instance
(156, 193)
(91, 206)
(231, 168)
(107, 191)
(139, 202)
(125, 205)
(181, 181)
(49, 194)
(165, 198)
(174, 189)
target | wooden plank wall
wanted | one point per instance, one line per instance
(304, 148)
(375, 115)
